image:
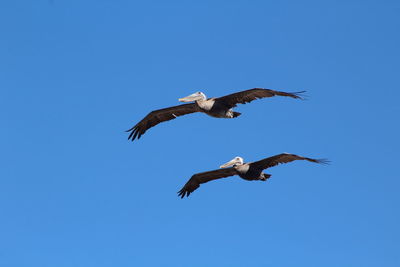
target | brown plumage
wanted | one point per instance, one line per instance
(247, 96)
(204, 177)
(248, 171)
(157, 116)
(283, 158)
(220, 107)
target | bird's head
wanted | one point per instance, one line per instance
(235, 161)
(193, 97)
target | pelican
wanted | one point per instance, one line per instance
(220, 107)
(247, 171)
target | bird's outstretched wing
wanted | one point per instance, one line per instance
(283, 158)
(204, 177)
(247, 96)
(157, 116)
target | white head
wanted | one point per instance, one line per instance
(198, 96)
(233, 162)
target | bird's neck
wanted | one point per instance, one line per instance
(241, 167)
(205, 104)
(203, 99)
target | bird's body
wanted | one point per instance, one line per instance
(216, 109)
(248, 171)
(220, 107)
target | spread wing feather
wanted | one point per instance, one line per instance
(283, 158)
(247, 96)
(157, 116)
(204, 177)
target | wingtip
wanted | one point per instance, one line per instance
(134, 134)
(181, 193)
(131, 137)
(324, 161)
(184, 192)
(300, 95)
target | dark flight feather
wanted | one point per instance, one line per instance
(204, 177)
(247, 96)
(283, 158)
(157, 116)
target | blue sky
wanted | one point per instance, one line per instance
(75, 74)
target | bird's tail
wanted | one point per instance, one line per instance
(236, 114)
(265, 176)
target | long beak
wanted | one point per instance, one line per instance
(190, 98)
(230, 163)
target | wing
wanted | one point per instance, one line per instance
(247, 96)
(204, 177)
(283, 158)
(157, 116)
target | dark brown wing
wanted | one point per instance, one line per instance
(283, 158)
(247, 96)
(204, 177)
(157, 116)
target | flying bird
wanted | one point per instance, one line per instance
(219, 107)
(247, 171)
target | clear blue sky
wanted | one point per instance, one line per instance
(75, 74)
